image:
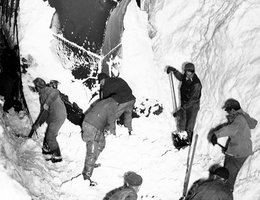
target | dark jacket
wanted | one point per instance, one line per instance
(7, 90)
(102, 115)
(190, 89)
(210, 190)
(238, 131)
(121, 193)
(118, 89)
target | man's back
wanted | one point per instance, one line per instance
(51, 97)
(118, 89)
(213, 190)
(121, 193)
(102, 114)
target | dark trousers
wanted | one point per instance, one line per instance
(187, 120)
(50, 138)
(126, 109)
(233, 165)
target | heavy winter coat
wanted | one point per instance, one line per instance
(211, 190)
(240, 144)
(121, 193)
(190, 90)
(7, 87)
(118, 89)
(57, 110)
(102, 115)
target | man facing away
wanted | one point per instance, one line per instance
(213, 187)
(53, 112)
(239, 144)
(190, 92)
(99, 118)
(132, 183)
(119, 90)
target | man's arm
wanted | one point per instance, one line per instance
(176, 73)
(229, 130)
(111, 118)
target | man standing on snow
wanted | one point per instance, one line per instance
(213, 188)
(239, 144)
(53, 111)
(190, 91)
(120, 91)
(132, 183)
(100, 117)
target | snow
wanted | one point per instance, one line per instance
(220, 37)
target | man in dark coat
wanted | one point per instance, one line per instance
(53, 112)
(10, 62)
(213, 188)
(99, 118)
(9, 79)
(120, 91)
(239, 144)
(190, 91)
(7, 90)
(132, 183)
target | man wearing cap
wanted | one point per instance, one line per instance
(99, 118)
(119, 90)
(132, 183)
(190, 92)
(212, 188)
(53, 112)
(239, 144)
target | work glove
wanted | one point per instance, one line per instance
(178, 113)
(35, 127)
(214, 139)
(170, 69)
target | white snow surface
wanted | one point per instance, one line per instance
(222, 39)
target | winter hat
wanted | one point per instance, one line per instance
(133, 179)
(231, 104)
(222, 172)
(189, 67)
(213, 167)
(39, 82)
(102, 76)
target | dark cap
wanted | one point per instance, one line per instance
(133, 179)
(102, 76)
(189, 67)
(222, 172)
(231, 104)
(39, 82)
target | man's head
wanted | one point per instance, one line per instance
(39, 83)
(231, 104)
(189, 70)
(132, 179)
(102, 76)
(222, 173)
